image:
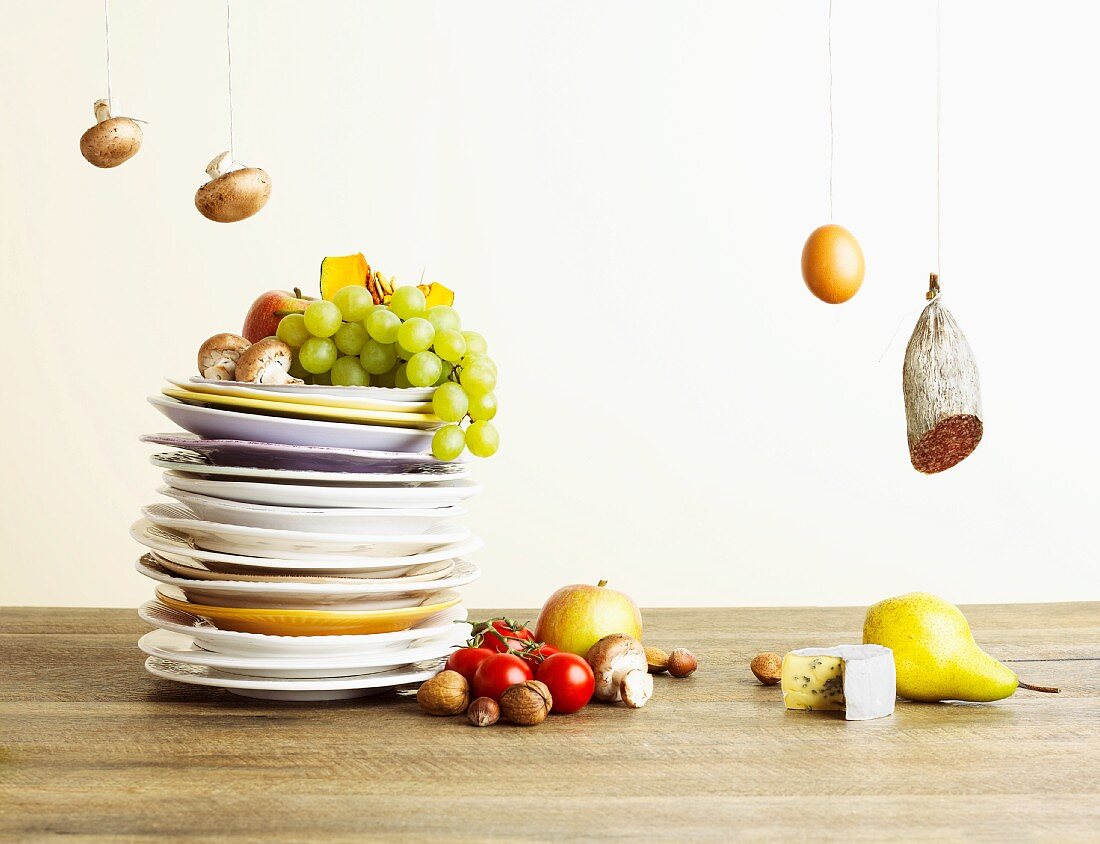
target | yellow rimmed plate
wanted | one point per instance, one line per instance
(355, 398)
(274, 407)
(282, 622)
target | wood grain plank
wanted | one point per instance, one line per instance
(92, 747)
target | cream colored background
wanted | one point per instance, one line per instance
(619, 192)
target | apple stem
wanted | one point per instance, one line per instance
(1048, 689)
(602, 583)
(297, 292)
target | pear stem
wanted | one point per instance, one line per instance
(1048, 689)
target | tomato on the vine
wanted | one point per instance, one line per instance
(569, 679)
(497, 673)
(467, 660)
(502, 635)
(535, 654)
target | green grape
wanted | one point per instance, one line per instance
(475, 343)
(478, 379)
(296, 369)
(351, 336)
(400, 378)
(292, 330)
(323, 379)
(442, 316)
(353, 302)
(450, 344)
(348, 372)
(478, 360)
(378, 357)
(444, 373)
(322, 318)
(448, 442)
(415, 334)
(317, 354)
(408, 302)
(423, 369)
(383, 380)
(483, 407)
(450, 402)
(382, 325)
(482, 439)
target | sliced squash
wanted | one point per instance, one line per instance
(343, 271)
(437, 294)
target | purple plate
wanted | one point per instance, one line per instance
(308, 457)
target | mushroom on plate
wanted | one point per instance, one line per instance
(267, 362)
(112, 140)
(612, 659)
(234, 191)
(219, 355)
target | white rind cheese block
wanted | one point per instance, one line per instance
(858, 680)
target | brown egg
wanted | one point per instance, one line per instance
(832, 264)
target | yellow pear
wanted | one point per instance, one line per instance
(934, 651)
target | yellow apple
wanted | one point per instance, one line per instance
(575, 617)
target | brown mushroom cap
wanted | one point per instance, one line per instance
(234, 196)
(267, 362)
(111, 141)
(219, 355)
(612, 658)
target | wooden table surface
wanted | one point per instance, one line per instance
(92, 746)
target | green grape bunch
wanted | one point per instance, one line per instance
(352, 342)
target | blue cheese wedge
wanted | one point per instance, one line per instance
(858, 680)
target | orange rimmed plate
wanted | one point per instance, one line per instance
(281, 622)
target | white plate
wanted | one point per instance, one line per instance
(194, 570)
(397, 395)
(182, 648)
(291, 545)
(314, 519)
(297, 595)
(179, 548)
(217, 423)
(196, 464)
(326, 688)
(253, 645)
(275, 494)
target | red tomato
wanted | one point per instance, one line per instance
(466, 661)
(535, 656)
(570, 681)
(497, 673)
(506, 636)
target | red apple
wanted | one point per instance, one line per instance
(575, 617)
(263, 317)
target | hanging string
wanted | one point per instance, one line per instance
(107, 33)
(229, 64)
(829, 48)
(939, 143)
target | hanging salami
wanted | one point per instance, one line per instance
(943, 405)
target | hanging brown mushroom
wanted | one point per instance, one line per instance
(943, 404)
(112, 140)
(233, 192)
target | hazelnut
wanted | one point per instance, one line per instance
(681, 663)
(527, 703)
(657, 660)
(636, 688)
(447, 693)
(768, 668)
(483, 712)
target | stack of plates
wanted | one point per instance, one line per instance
(311, 550)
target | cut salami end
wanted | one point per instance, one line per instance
(949, 442)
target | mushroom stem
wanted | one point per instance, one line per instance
(221, 165)
(102, 110)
